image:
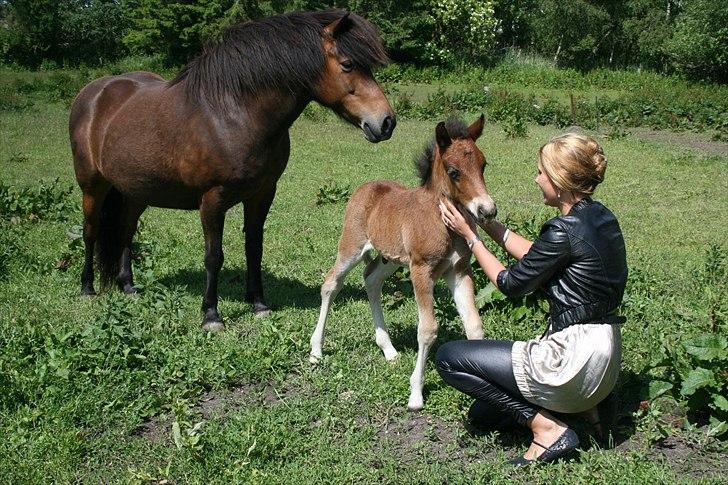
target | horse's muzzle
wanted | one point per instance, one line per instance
(383, 131)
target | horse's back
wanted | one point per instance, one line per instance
(94, 109)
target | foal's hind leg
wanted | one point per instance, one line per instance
(130, 220)
(460, 281)
(374, 275)
(346, 259)
(93, 201)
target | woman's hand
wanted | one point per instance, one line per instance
(455, 221)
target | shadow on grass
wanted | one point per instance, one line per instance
(279, 292)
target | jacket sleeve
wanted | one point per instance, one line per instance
(548, 254)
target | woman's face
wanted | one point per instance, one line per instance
(550, 193)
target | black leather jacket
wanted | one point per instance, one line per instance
(579, 261)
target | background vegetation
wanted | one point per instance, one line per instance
(688, 37)
(128, 389)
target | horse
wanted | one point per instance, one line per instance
(404, 226)
(216, 135)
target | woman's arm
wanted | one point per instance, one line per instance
(515, 244)
(455, 221)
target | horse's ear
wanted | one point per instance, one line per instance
(476, 129)
(338, 27)
(442, 136)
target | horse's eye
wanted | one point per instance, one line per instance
(347, 66)
(454, 173)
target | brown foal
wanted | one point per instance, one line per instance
(216, 135)
(405, 227)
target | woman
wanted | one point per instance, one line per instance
(579, 261)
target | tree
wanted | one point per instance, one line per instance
(699, 45)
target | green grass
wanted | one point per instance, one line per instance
(80, 377)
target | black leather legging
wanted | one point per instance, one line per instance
(483, 369)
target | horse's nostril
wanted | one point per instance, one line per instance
(484, 213)
(388, 125)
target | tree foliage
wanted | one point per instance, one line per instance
(685, 36)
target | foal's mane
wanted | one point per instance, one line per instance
(283, 52)
(456, 128)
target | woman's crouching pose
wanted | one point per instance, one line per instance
(579, 261)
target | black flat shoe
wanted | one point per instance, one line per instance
(563, 446)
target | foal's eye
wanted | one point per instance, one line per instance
(347, 66)
(454, 173)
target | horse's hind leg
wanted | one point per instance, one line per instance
(375, 273)
(129, 220)
(348, 256)
(422, 280)
(93, 201)
(460, 281)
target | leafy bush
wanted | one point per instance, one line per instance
(695, 370)
(46, 201)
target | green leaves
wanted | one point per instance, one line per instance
(696, 379)
(708, 347)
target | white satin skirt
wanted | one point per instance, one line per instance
(569, 371)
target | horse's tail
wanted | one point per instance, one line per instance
(110, 244)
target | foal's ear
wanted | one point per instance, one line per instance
(338, 27)
(476, 129)
(442, 136)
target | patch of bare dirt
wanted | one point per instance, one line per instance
(698, 141)
(686, 459)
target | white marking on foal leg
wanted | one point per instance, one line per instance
(333, 283)
(374, 275)
(461, 286)
(426, 333)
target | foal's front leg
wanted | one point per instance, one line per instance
(422, 280)
(212, 215)
(460, 281)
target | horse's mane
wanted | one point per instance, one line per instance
(283, 52)
(456, 128)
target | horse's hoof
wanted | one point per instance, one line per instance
(415, 404)
(314, 359)
(213, 327)
(130, 290)
(88, 293)
(261, 310)
(391, 356)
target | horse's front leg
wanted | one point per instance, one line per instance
(422, 280)
(255, 213)
(460, 281)
(212, 215)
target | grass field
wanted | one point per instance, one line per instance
(129, 389)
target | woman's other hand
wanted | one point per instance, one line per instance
(454, 220)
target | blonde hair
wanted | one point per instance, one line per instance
(574, 163)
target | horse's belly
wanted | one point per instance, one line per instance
(166, 194)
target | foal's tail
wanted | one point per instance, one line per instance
(110, 243)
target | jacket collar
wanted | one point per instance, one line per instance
(585, 202)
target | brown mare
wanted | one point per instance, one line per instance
(405, 227)
(216, 135)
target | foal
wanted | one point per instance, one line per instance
(404, 226)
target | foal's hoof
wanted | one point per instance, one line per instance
(314, 359)
(89, 292)
(213, 327)
(415, 404)
(129, 290)
(261, 310)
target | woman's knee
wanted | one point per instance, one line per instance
(446, 356)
